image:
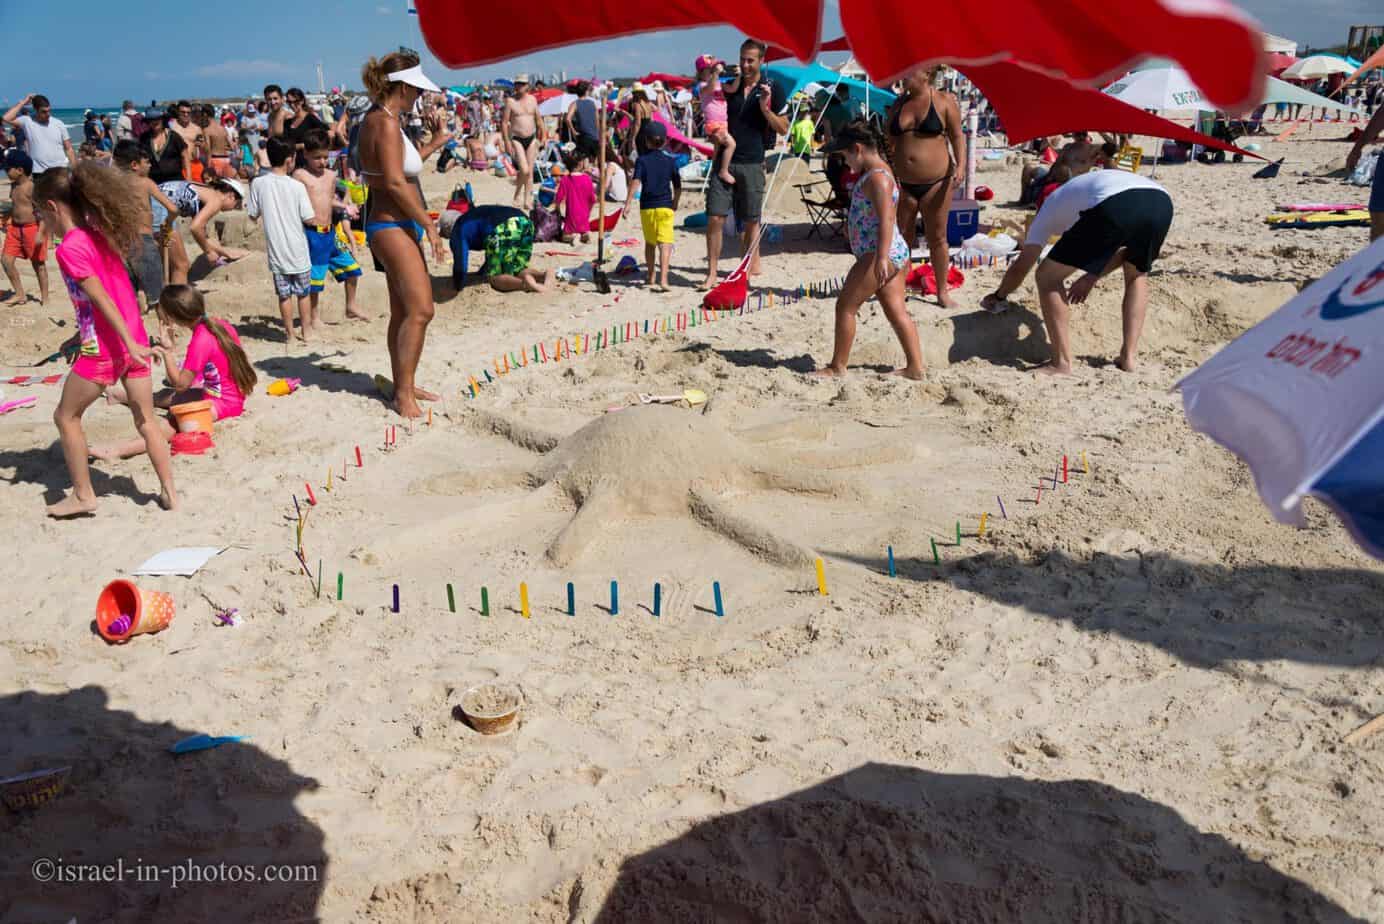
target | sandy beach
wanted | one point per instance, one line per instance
(1124, 702)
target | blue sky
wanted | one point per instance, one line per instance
(110, 51)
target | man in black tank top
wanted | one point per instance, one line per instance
(753, 113)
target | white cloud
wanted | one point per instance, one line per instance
(152, 75)
(237, 67)
(384, 10)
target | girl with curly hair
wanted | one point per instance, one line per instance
(96, 210)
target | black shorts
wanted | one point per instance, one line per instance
(1136, 219)
(588, 146)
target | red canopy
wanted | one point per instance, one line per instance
(1276, 62)
(1032, 104)
(1091, 41)
(775, 53)
(546, 94)
(669, 81)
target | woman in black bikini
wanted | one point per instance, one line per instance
(927, 145)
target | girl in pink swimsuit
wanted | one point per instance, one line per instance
(215, 367)
(97, 212)
(715, 118)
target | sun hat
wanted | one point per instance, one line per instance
(705, 61)
(521, 79)
(638, 87)
(236, 186)
(414, 77)
(657, 87)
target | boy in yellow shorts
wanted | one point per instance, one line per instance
(657, 187)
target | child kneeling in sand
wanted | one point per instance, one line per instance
(881, 256)
(214, 369)
(97, 212)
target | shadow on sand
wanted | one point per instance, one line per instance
(893, 843)
(217, 816)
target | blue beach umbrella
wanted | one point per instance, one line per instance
(1300, 398)
(795, 77)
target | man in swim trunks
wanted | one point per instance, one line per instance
(324, 250)
(506, 234)
(190, 132)
(218, 142)
(26, 238)
(1108, 220)
(523, 133)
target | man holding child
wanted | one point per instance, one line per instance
(753, 107)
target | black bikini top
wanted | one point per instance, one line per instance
(930, 127)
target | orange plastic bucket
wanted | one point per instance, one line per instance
(124, 610)
(192, 416)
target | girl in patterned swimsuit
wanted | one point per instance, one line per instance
(882, 258)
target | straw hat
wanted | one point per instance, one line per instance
(521, 79)
(657, 87)
(639, 87)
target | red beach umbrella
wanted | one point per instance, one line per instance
(1088, 41)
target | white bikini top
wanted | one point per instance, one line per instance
(413, 164)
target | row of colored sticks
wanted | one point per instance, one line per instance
(1060, 476)
(604, 338)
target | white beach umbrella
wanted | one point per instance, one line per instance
(1315, 67)
(557, 105)
(1160, 88)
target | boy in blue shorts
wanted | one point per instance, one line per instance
(324, 247)
(657, 187)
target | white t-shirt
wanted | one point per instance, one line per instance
(1062, 209)
(283, 202)
(44, 143)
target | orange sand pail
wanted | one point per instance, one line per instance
(124, 609)
(192, 416)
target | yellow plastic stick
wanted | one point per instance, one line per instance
(329, 477)
(524, 600)
(1086, 466)
(821, 579)
(982, 524)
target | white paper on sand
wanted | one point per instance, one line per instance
(183, 562)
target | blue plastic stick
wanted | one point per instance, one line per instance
(571, 599)
(658, 599)
(1001, 503)
(396, 598)
(716, 590)
(891, 561)
(614, 599)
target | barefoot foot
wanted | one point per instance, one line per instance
(726, 177)
(916, 375)
(406, 408)
(1125, 363)
(1053, 370)
(103, 453)
(828, 372)
(355, 315)
(72, 506)
(422, 394)
(168, 501)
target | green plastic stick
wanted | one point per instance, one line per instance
(485, 602)
(936, 559)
